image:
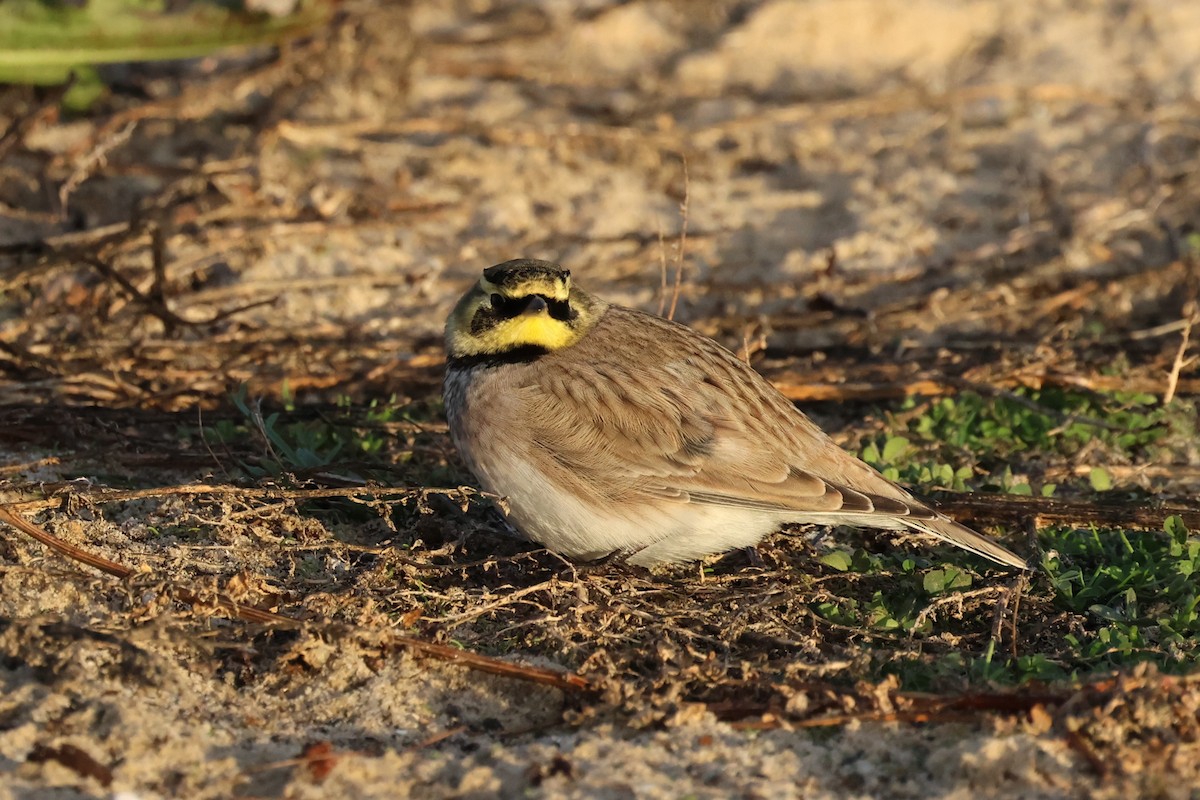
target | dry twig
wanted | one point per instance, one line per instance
(1179, 363)
(250, 493)
(93, 161)
(683, 229)
(1015, 508)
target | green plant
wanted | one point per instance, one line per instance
(1137, 590)
(45, 41)
(951, 442)
(294, 443)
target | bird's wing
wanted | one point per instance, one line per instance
(694, 424)
(699, 427)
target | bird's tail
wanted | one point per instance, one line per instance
(967, 539)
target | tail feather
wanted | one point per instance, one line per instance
(962, 536)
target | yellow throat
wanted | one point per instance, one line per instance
(520, 306)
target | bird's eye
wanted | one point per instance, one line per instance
(561, 310)
(507, 307)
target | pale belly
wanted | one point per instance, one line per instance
(555, 511)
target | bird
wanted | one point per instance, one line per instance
(610, 432)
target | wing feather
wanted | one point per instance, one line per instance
(687, 422)
(694, 425)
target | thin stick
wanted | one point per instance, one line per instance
(1080, 745)
(925, 708)
(248, 613)
(252, 493)
(998, 613)
(91, 162)
(683, 228)
(490, 607)
(1017, 508)
(441, 736)
(1177, 366)
(662, 271)
(954, 597)
(1017, 591)
(820, 390)
(155, 307)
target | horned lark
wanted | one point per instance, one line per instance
(613, 431)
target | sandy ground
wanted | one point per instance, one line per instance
(932, 164)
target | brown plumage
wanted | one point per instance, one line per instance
(611, 430)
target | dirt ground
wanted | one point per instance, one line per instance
(870, 195)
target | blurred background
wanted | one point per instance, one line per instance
(856, 178)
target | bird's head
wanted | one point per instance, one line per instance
(522, 307)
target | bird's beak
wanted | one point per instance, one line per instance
(535, 304)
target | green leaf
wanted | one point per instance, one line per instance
(1174, 526)
(943, 580)
(1100, 479)
(838, 559)
(895, 447)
